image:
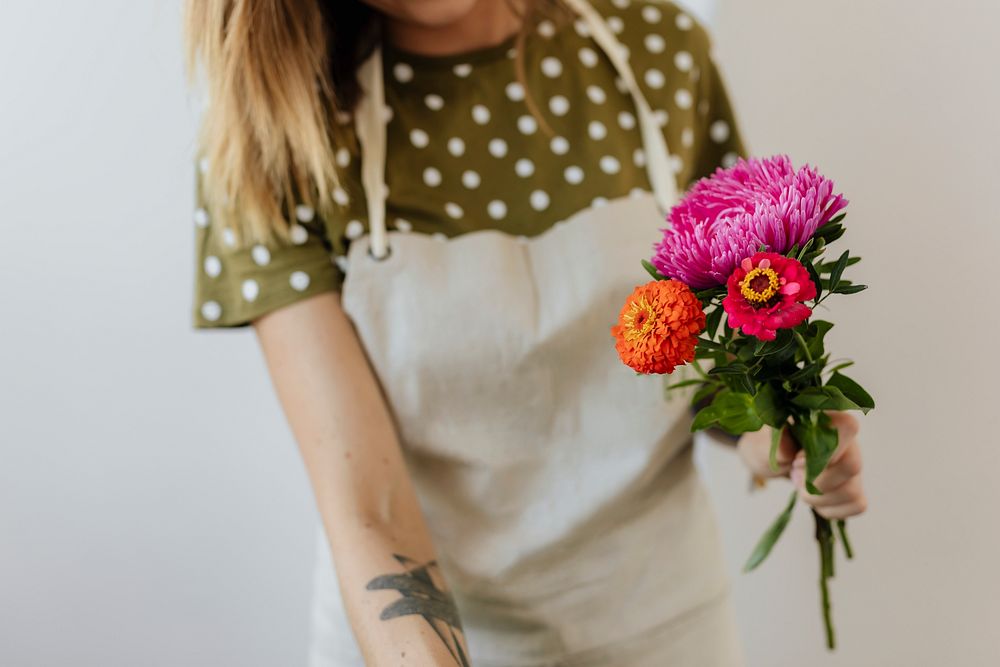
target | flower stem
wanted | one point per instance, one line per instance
(842, 529)
(824, 538)
(802, 344)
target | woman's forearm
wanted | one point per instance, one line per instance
(394, 594)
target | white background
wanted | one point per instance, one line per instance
(153, 510)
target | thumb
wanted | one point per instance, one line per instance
(787, 450)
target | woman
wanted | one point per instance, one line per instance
(430, 212)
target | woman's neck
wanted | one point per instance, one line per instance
(486, 24)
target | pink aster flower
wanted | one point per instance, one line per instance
(730, 215)
(766, 293)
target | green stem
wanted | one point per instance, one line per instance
(802, 344)
(824, 536)
(842, 529)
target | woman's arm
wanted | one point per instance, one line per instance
(395, 596)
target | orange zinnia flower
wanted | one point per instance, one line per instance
(658, 327)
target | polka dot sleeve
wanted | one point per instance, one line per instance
(235, 284)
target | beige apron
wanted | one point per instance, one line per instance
(558, 485)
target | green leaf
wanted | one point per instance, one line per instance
(652, 271)
(826, 267)
(853, 391)
(712, 321)
(817, 281)
(831, 231)
(849, 289)
(768, 406)
(824, 398)
(731, 411)
(816, 333)
(771, 535)
(735, 368)
(685, 383)
(784, 341)
(838, 270)
(837, 218)
(819, 440)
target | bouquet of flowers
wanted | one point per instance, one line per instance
(738, 275)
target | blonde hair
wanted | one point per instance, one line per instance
(277, 74)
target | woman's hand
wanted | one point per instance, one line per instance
(843, 492)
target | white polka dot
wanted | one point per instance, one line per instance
(524, 167)
(684, 22)
(574, 174)
(354, 229)
(402, 72)
(342, 117)
(616, 24)
(620, 85)
(343, 157)
(676, 164)
(340, 196)
(419, 138)
(527, 124)
(453, 210)
(599, 202)
(639, 157)
(228, 237)
(596, 94)
(588, 57)
(213, 267)
(341, 262)
(211, 310)
(201, 218)
(480, 114)
(683, 61)
(539, 200)
(299, 280)
(654, 78)
(661, 117)
(250, 290)
(610, 165)
(729, 159)
(551, 67)
(496, 209)
(559, 105)
(651, 14)
(621, 4)
(497, 147)
(515, 91)
(546, 29)
(463, 70)
(203, 165)
(559, 145)
(596, 130)
(655, 43)
(434, 102)
(636, 192)
(403, 225)
(719, 131)
(456, 146)
(298, 234)
(261, 255)
(432, 177)
(581, 28)
(387, 114)
(626, 120)
(687, 137)
(304, 213)
(683, 98)
(470, 179)
(624, 51)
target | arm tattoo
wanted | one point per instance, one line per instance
(422, 596)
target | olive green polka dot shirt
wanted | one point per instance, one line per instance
(466, 153)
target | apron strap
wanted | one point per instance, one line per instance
(371, 115)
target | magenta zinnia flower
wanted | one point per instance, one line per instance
(766, 293)
(727, 217)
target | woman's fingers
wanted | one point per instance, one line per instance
(848, 492)
(845, 464)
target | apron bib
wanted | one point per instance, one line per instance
(558, 485)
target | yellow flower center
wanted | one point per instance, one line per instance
(639, 320)
(760, 285)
